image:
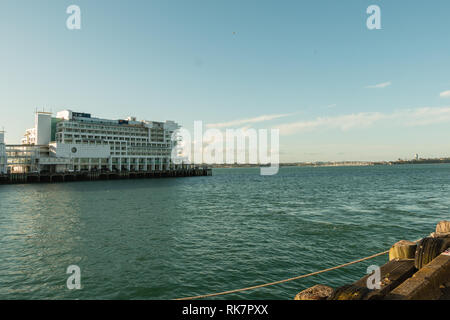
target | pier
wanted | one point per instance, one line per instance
(19, 178)
(417, 270)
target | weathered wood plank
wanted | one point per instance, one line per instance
(429, 283)
(393, 274)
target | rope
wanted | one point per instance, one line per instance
(285, 280)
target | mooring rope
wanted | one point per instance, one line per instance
(285, 280)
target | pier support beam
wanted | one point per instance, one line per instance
(91, 175)
(427, 283)
(393, 274)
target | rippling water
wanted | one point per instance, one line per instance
(170, 238)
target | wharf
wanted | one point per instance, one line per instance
(35, 177)
(417, 270)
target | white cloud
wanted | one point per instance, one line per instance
(406, 117)
(380, 85)
(240, 122)
(344, 122)
(426, 116)
(445, 94)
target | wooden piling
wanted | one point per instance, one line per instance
(100, 175)
(403, 250)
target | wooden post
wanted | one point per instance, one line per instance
(403, 250)
(443, 227)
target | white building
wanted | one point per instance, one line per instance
(3, 158)
(77, 141)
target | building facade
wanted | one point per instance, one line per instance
(75, 141)
(3, 157)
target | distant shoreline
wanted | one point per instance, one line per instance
(338, 163)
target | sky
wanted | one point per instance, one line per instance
(335, 89)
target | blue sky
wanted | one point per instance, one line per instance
(337, 90)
